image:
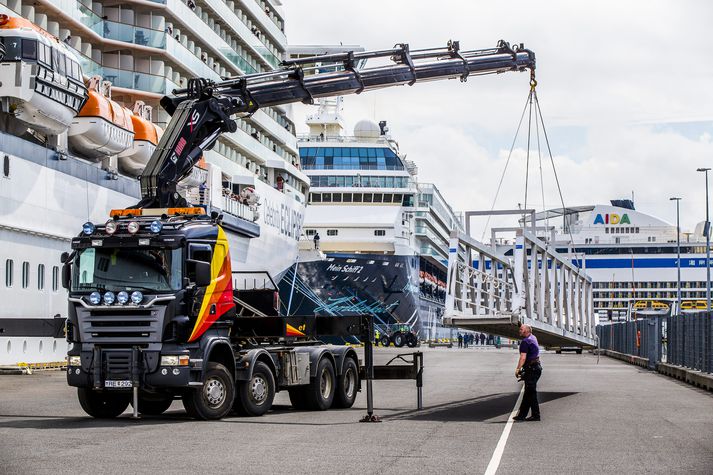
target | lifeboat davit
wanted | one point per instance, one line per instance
(41, 81)
(133, 160)
(103, 127)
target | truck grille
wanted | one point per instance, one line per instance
(117, 364)
(121, 325)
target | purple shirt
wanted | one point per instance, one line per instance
(529, 345)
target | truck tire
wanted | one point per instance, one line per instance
(411, 340)
(255, 396)
(320, 392)
(103, 404)
(347, 385)
(154, 405)
(385, 340)
(399, 339)
(579, 351)
(215, 398)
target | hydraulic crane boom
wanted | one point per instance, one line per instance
(202, 111)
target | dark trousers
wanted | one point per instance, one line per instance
(529, 399)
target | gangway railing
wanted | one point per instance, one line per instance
(495, 289)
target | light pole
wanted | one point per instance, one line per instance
(678, 251)
(707, 230)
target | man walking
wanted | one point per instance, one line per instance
(530, 361)
(316, 241)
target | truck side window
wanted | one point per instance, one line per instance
(197, 252)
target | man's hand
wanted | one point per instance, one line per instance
(517, 372)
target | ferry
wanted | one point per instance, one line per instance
(375, 238)
(79, 119)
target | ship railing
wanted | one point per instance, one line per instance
(340, 139)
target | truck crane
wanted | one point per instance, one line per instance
(176, 328)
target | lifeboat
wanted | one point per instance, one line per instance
(133, 160)
(103, 128)
(41, 81)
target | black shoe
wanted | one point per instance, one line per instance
(533, 418)
(519, 418)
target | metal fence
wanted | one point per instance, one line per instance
(683, 340)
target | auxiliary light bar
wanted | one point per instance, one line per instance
(195, 211)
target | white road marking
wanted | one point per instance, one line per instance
(500, 448)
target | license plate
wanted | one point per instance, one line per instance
(117, 384)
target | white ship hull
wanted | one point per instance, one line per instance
(41, 209)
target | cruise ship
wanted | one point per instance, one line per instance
(631, 256)
(80, 84)
(383, 235)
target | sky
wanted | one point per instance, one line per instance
(624, 88)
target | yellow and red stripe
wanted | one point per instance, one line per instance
(220, 290)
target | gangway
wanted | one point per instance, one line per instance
(494, 289)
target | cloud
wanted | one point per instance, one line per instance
(611, 75)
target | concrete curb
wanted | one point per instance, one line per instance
(690, 376)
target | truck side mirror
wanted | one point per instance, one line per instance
(203, 277)
(63, 257)
(66, 275)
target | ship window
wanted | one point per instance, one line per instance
(29, 49)
(6, 166)
(332, 232)
(397, 198)
(378, 197)
(44, 54)
(41, 277)
(316, 198)
(337, 197)
(388, 197)
(347, 197)
(326, 197)
(55, 278)
(8, 272)
(379, 232)
(25, 274)
(357, 197)
(367, 197)
(310, 232)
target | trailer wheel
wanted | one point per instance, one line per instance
(215, 398)
(103, 404)
(399, 340)
(347, 385)
(411, 340)
(320, 392)
(385, 340)
(154, 405)
(255, 396)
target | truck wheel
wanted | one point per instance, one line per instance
(558, 352)
(255, 396)
(385, 340)
(347, 385)
(399, 340)
(579, 351)
(103, 404)
(215, 398)
(154, 405)
(320, 392)
(411, 340)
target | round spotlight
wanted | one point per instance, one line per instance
(88, 228)
(95, 298)
(122, 297)
(133, 227)
(110, 226)
(156, 226)
(109, 298)
(136, 297)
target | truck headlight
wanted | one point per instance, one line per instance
(136, 297)
(175, 360)
(95, 298)
(88, 228)
(122, 297)
(74, 361)
(110, 227)
(156, 226)
(133, 227)
(109, 298)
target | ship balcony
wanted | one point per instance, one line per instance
(266, 23)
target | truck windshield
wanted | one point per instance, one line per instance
(127, 269)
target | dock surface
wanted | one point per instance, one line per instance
(605, 417)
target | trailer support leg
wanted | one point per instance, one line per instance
(418, 359)
(369, 362)
(135, 356)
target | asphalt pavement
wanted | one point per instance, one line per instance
(605, 417)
